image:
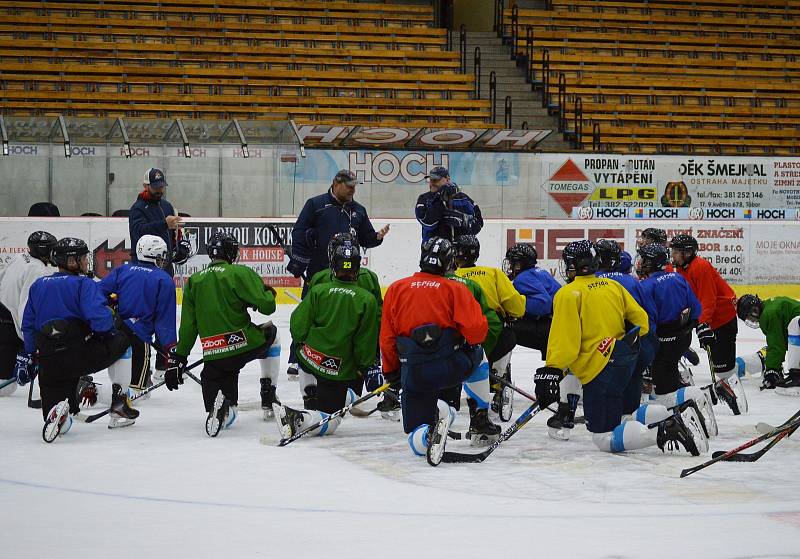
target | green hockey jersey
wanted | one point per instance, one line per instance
(336, 328)
(215, 303)
(776, 315)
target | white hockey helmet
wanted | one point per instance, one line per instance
(152, 249)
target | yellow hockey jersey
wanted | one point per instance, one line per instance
(589, 317)
(500, 293)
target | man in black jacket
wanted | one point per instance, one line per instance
(320, 219)
(152, 214)
(445, 211)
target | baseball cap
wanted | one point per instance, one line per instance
(438, 173)
(346, 176)
(155, 178)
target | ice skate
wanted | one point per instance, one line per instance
(87, 391)
(682, 430)
(58, 422)
(389, 407)
(731, 392)
(560, 424)
(790, 386)
(122, 414)
(437, 434)
(691, 404)
(482, 432)
(216, 417)
(289, 420)
(291, 372)
(268, 397)
(685, 371)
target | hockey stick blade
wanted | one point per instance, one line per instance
(334, 415)
(458, 457)
(358, 412)
(292, 296)
(753, 456)
(95, 417)
(5, 383)
(726, 455)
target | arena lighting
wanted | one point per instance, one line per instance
(65, 135)
(299, 139)
(4, 135)
(240, 134)
(126, 142)
(187, 152)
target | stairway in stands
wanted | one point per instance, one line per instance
(526, 105)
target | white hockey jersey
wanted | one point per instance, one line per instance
(15, 283)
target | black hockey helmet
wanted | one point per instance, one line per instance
(66, 248)
(222, 246)
(608, 252)
(520, 257)
(579, 259)
(341, 239)
(437, 256)
(40, 245)
(687, 245)
(652, 258)
(653, 235)
(467, 248)
(749, 308)
(345, 260)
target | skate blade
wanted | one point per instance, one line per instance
(279, 413)
(116, 423)
(559, 434)
(394, 415)
(788, 391)
(696, 429)
(52, 429)
(481, 440)
(213, 424)
(436, 447)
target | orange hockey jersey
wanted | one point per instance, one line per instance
(714, 293)
(428, 299)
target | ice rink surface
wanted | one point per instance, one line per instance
(162, 488)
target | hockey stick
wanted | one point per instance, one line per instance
(504, 382)
(358, 412)
(5, 383)
(292, 296)
(147, 390)
(777, 431)
(460, 458)
(334, 415)
(286, 248)
(753, 456)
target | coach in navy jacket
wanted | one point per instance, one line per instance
(152, 214)
(321, 218)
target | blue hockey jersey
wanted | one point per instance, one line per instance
(146, 298)
(539, 287)
(64, 296)
(671, 294)
(634, 287)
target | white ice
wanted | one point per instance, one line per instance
(162, 488)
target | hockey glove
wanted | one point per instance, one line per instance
(448, 190)
(25, 369)
(173, 376)
(295, 267)
(373, 377)
(772, 378)
(393, 378)
(705, 335)
(457, 220)
(546, 380)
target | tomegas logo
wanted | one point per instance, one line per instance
(569, 186)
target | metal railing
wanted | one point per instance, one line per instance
(508, 111)
(462, 47)
(476, 70)
(499, 6)
(493, 94)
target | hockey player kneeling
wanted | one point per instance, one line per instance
(335, 328)
(215, 303)
(430, 329)
(67, 323)
(588, 336)
(675, 312)
(779, 320)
